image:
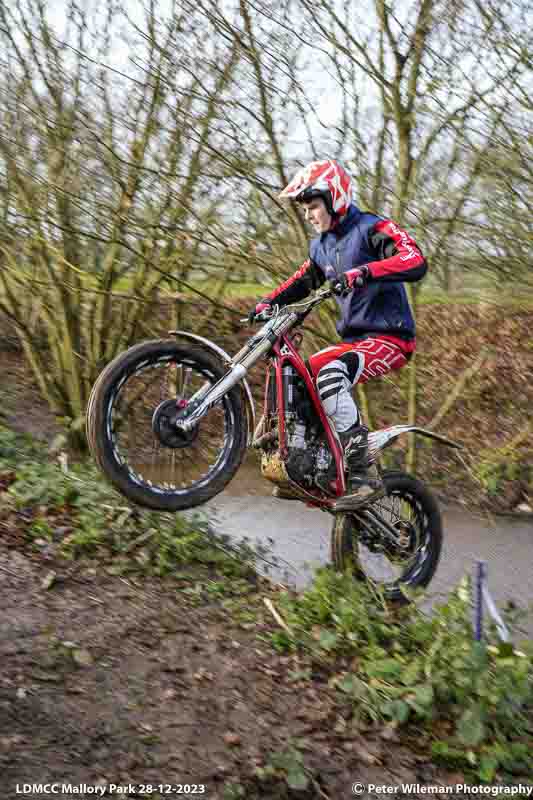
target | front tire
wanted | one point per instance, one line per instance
(143, 460)
(412, 510)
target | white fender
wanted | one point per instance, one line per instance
(249, 400)
(379, 440)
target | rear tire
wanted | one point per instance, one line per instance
(424, 523)
(102, 436)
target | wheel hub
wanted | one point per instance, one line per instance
(404, 544)
(164, 424)
(406, 535)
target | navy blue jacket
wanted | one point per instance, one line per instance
(392, 257)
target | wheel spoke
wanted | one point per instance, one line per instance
(185, 382)
(383, 561)
(169, 464)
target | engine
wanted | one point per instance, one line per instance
(308, 455)
(307, 464)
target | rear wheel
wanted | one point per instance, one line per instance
(406, 553)
(131, 431)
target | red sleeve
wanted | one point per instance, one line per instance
(298, 286)
(399, 257)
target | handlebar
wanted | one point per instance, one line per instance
(306, 305)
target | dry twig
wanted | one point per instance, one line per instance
(281, 622)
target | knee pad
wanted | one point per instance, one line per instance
(354, 364)
(332, 379)
(333, 384)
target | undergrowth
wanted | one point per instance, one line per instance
(470, 704)
(69, 509)
(473, 702)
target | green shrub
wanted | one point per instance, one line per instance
(497, 468)
(99, 522)
(412, 668)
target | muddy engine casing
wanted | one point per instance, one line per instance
(307, 455)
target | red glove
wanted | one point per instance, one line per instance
(257, 310)
(353, 279)
(358, 277)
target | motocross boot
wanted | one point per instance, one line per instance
(363, 482)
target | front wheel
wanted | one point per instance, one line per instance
(131, 433)
(408, 556)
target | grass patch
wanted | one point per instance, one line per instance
(73, 509)
(471, 703)
(427, 296)
(476, 297)
(235, 291)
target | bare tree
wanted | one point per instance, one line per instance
(119, 179)
(103, 175)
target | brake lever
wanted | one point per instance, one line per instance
(263, 316)
(338, 290)
(268, 313)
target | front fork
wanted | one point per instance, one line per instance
(209, 395)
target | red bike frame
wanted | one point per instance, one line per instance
(292, 357)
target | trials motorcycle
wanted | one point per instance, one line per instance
(169, 421)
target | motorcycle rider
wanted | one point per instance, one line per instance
(367, 258)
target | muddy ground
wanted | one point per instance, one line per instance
(112, 680)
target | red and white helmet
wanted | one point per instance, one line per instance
(326, 179)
